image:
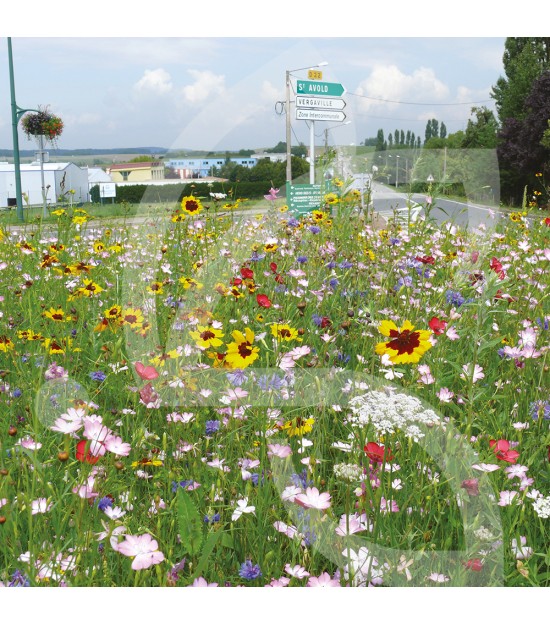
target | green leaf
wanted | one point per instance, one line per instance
(209, 545)
(189, 523)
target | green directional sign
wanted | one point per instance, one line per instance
(303, 198)
(310, 87)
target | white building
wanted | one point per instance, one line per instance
(59, 179)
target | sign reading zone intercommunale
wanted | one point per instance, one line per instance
(320, 116)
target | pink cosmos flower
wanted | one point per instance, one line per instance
(29, 443)
(323, 580)
(115, 445)
(66, 427)
(144, 550)
(313, 499)
(278, 583)
(486, 467)
(200, 582)
(426, 376)
(445, 395)
(280, 451)
(475, 372)
(349, 525)
(290, 493)
(296, 571)
(452, 334)
(40, 506)
(438, 578)
(507, 497)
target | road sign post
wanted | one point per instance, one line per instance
(307, 87)
(303, 198)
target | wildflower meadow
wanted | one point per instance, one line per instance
(218, 399)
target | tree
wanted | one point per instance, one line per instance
(481, 132)
(413, 140)
(396, 138)
(435, 128)
(524, 59)
(390, 140)
(401, 138)
(380, 142)
(442, 131)
(142, 159)
(428, 131)
(279, 148)
(299, 150)
(408, 138)
(521, 148)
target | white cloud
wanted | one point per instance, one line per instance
(271, 94)
(156, 81)
(206, 85)
(388, 82)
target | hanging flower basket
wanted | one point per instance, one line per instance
(42, 123)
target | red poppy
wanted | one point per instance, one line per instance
(83, 455)
(263, 301)
(437, 326)
(236, 282)
(247, 273)
(427, 260)
(279, 279)
(475, 256)
(273, 267)
(471, 487)
(146, 372)
(377, 453)
(474, 565)
(546, 221)
(503, 451)
(496, 266)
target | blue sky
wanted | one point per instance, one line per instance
(217, 92)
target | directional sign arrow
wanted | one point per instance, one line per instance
(308, 87)
(311, 102)
(320, 116)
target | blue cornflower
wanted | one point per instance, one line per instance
(300, 479)
(98, 376)
(405, 281)
(301, 259)
(345, 264)
(182, 484)
(213, 519)
(540, 409)
(237, 377)
(330, 265)
(17, 392)
(394, 241)
(19, 580)
(333, 283)
(280, 288)
(455, 298)
(212, 427)
(270, 383)
(293, 222)
(256, 257)
(543, 324)
(105, 502)
(250, 571)
(314, 229)
(345, 358)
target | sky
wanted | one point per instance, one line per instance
(214, 84)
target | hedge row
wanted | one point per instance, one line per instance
(134, 194)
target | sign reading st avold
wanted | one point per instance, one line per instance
(310, 102)
(307, 87)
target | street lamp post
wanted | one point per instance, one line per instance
(396, 171)
(287, 110)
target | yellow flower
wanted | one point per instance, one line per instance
(298, 426)
(283, 332)
(241, 353)
(147, 462)
(337, 182)
(191, 205)
(404, 346)
(331, 198)
(113, 312)
(155, 287)
(99, 247)
(207, 336)
(132, 317)
(80, 219)
(270, 247)
(59, 212)
(6, 344)
(318, 215)
(56, 314)
(189, 283)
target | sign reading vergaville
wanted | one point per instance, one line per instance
(303, 198)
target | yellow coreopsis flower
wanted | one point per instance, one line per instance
(191, 205)
(298, 426)
(241, 353)
(56, 314)
(406, 345)
(283, 332)
(6, 344)
(207, 336)
(132, 317)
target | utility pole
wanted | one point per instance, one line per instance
(288, 152)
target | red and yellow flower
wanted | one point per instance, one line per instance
(406, 345)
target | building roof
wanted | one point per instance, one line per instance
(35, 166)
(140, 165)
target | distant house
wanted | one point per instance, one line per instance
(59, 179)
(136, 172)
(97, 175)
(274, 157)
(202, 167)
